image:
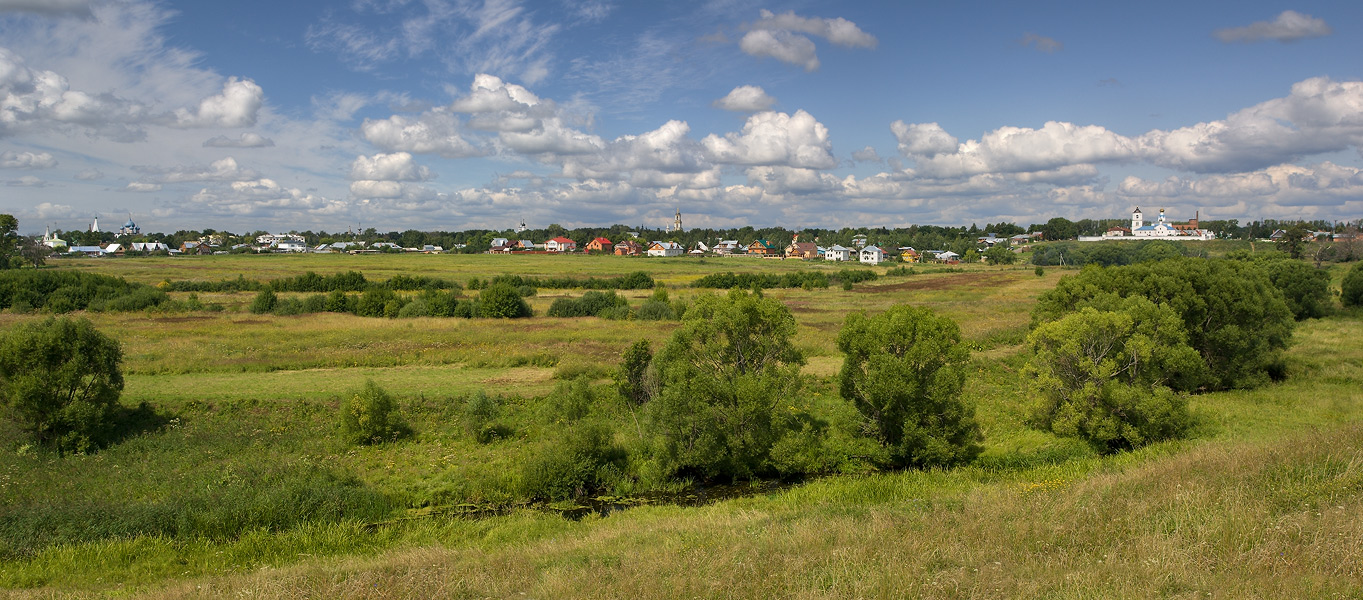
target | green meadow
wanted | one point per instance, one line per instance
(244, 488)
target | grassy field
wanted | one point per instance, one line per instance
(246, 491)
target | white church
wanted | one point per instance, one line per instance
(1161, 229)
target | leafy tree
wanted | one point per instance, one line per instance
(1351, 289)
(1104, 376)
(721, 377)
(501, 301)
(33, 252)
(904, 372)
(371, 416)
(632, 378)
(1305, 289)
(1293, 241)
(9, 239)
(61, 379)
(1000, 254)
(1059, 228)
(1233, 315)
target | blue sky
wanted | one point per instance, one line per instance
(455, 114)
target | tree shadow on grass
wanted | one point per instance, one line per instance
(129, 423)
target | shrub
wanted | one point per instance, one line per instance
(1351, 289)
(265, 301)
(61, 379)
(582, 461)
(371, 416)
(480, 413)
(501, 301)
(1105, 376)
(374, 301)
(633, 378)
(591, 304)
(904, 372)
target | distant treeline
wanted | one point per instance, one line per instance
(350, 281)
(638, 280)
(805, 279)
(1107, 254)
(62, 291)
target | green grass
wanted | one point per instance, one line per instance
(248, 491)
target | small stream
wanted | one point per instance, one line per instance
(698, 495)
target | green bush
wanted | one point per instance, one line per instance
(633, 378)
(480, 415)
(371, 416)
(583, 461)
(904, 371)
(1106, 376)
(60, 379)
(264, 301)
(501, 301)
(1351, 289)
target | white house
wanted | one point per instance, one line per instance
(726, 247)
(838, 253)
(665, 249)
(872, 255)
(289, 246)
(560, 244)
(270, 239)
(948, 255)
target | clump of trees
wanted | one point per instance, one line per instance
(607, 305)
(1107, 254)
(1305, 289)
(60, 380)
(1351, 288)
(1233, 315)
(1108, 377)
(63, 291)
(720, 377)
(637, 280)
(904, 371)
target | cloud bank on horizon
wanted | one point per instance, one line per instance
(455, 114)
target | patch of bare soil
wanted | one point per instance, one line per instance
(179, 319)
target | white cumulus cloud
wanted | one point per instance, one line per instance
(10, 159)
(784, 37)
(432, 132)
(224, 169)
(1290, 26)
(775, 139)
(236, 106)
(398, 166)
(245, 140)
(746, 98)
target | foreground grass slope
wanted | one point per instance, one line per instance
(1219, 520)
